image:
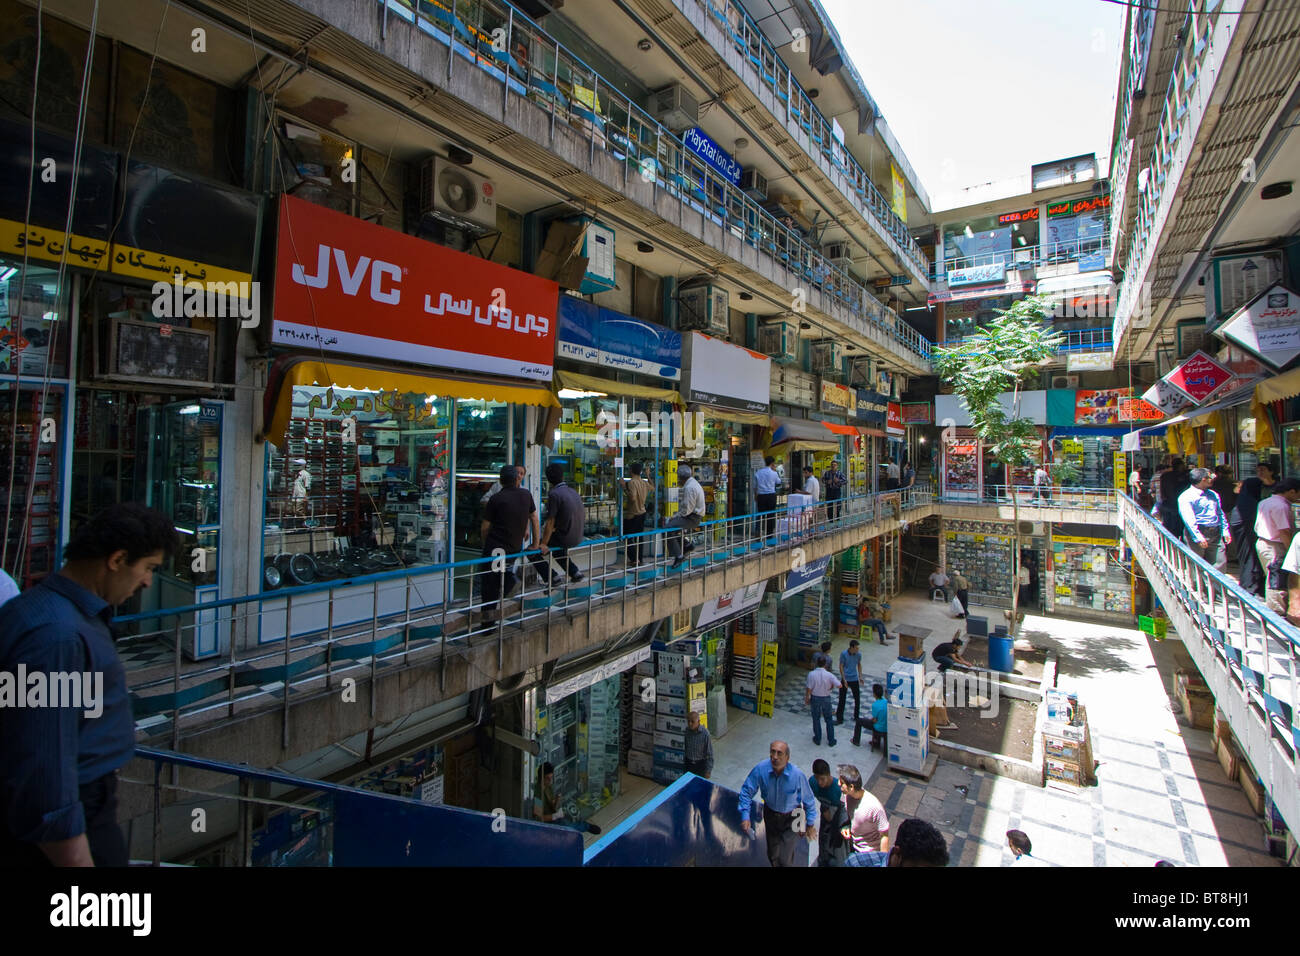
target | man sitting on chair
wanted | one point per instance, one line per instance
(939, 582)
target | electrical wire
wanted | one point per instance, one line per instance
(1133, 4)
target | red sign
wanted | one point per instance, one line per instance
(894, 419)
(1199, 377)
(1069, 208)
(1025, 215)
(346, 285)
(916, 413)
(1138, 410)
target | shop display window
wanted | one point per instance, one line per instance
(961, 478)
(1290, 453)
(581, 736)
(483, 448)
(1004, 239)
(1091, 458)
(103, 457)
(1090, 574)
(360, 485)
(29, 477)
(33, 321)
(981, 551)
(180, 473)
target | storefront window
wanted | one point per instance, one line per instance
(589, 442)
(1089, 574)
(1004, 238)
(30, 418)
(580, 736)
(1090, 458)
(961, 478)
(359, 486)
(483, 448)
(981, 551)
(103, 457)
(33, 321)
(1290, 453)
(1077, 231)
(965, 317)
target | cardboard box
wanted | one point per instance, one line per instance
(905, 684)
(903, 719)
(670, 687)
(643, 741)
(1065, 771)
(744, 645)
(670, 665)
(671, 705)
(1196, 700)
(665, 775)
(640, 763)
(643, 723)
(1251, 786)
(646, 668)
(696, 691)
(740, 702)
(670, 724)
(1061, 748)
(1229, 759)
(669, 758)
(910, 649)
(669, 740)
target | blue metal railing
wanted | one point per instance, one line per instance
(439, 610)
(1091, 254)
(1248, 654)
(503, 42)
(329, 824)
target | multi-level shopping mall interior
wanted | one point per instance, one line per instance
(318, 280)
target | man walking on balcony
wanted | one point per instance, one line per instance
(765, 482)
(1203, 518)
(566, 518)
(1274, 529)
(833, 482)
(635, 491)
(509, 515)
(60, 754)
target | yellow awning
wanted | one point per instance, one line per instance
(594, 383)
(804, 444)
(733, 415)
(365, 378)
(1286, 385)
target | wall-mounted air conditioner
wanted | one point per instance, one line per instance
(456, 195)
(828, 358)
(754, 184)
(704, 308)
(598, 249)
(1065, 381)
(1032, 528)
(675, 107)
(780, 341)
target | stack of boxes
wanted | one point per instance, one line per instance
(767, 680)
(850, 587)
(668, 481)
(744, 671)
(908, 715)
(1067, 746)
(640, 755)
(814, 624)
(679, 688)
(602, 729)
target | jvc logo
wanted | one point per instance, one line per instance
(350, 278)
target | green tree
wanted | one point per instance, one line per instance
(1001, 358)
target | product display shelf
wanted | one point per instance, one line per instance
(984, 560)
(813, 623)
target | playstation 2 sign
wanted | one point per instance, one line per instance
(698, 142)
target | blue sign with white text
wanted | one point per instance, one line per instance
(698, 142)
(805, 577)
(589, 333)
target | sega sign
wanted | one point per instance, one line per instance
(977, 275)
(699, 143)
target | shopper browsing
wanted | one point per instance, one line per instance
(566, 516)
(1203, 518)
(833, 482)
(1274, 529)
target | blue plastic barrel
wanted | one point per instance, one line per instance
(1000, 656)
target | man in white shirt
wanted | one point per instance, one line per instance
(1274, 529)
(1291, 567)
(8, 587)
(690, 512)
(817, 691)
(1042, 484)
(939, 582)
(811, 486)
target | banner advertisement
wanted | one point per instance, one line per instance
(349, 286)
(916, 413)
(599, 336)
(726, 375)
(894, 420)
(1100, 407)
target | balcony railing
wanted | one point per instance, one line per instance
(498, 39)
(1249, 656)
(1091, 254)
(441, 616)
(751, 43)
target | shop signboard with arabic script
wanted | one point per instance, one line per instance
(1267, 326)
(1199, 377)
(345, 285)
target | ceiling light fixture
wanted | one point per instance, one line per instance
(741, 143)
(644, 45)
(1275, 190)
(805, 325)
(745, 296)
(644, 247)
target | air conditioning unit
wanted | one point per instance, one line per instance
(862, 372)
(675, 107)
(828, 358)
(753, 184)
(1065, 381)
(598, 249)
(456, 195)
(704, 308)
(839, 253)
(1033, 529)
(780, 341)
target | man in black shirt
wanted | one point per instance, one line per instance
(505, 519)
(948, 655)
(566, 517)
(1172, 484)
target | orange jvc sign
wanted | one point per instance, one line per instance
(345, 285)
